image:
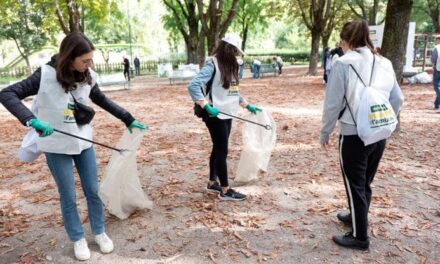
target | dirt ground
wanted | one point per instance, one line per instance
(290, 214)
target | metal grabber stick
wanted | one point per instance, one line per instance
(267, 127)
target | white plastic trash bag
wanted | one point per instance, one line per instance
(258, 144)
(120, 189)
(28, 150)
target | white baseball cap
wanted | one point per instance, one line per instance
(233, 39)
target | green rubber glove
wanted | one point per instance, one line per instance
(212, 111)
(44, 129)
(136, 124)
(253, 109)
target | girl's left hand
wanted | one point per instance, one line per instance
(136, 124)
(253, 109)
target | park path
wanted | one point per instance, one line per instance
(290, 214)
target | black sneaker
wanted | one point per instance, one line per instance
(349, 241)
(231, 195)
(345, 217)
(215, 187)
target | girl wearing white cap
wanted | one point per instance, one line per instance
(220, 77)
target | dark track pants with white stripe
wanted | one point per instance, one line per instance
(359, 165)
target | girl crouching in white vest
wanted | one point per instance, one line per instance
(66, 78)
(342, 98)
(221, 75)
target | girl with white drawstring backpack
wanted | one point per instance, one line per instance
(363, 94)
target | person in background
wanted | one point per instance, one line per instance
(326, 63)
(224, 97)
(256, 64)
(55, 84)
(137, 66)
(240, 67)
(336, 52)
(435, 60)
(358, 162)
(126, 63)
(279, 63)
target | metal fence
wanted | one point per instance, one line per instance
(101, 68)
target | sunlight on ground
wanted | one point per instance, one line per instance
(298, 112)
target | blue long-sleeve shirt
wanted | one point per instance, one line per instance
(200, 81)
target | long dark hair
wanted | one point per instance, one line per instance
(73, 45)
(227, 63)
(357, 34)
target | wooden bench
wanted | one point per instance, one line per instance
(268, 68)
(113, 79)
(177, 75)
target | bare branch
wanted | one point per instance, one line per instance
(61, 18)
(303, 15)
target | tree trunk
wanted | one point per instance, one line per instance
(28, 64)
(212, 39)
(434, 14)
(202, 50)
(213, 22)
(245, 34)
(191, 53)
(314, 53)
(325, 40)
(396, 32)
(192, 46)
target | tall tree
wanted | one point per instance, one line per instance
(200, 23)
(72, 15)
(367, 9)
(315, 15)
(432, 9)
(23, 22)
(99, 31)
(69, 9)
(397, 19)
(339, 14)
(250, 14)
(215, 20)
(184, 18)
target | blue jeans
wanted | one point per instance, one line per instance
(61, 167)
(436, 82)
(240, 71)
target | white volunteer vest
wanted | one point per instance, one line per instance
(55, 106)
(225, 100)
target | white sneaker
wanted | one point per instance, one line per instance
(104, 242)
(437, 110)
(81, 249)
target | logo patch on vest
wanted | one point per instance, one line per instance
(233, 90)
(68, 114)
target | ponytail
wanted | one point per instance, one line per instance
(357, 34)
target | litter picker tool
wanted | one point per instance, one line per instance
(121, 151)
(267, 127)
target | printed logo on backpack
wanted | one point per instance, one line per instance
(375, 119)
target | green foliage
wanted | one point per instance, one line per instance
(23, 22)
(286, 55)
(251, 15)
(420, 14)
(109, 29)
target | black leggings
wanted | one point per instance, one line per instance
(359, 165)
(220, 129)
